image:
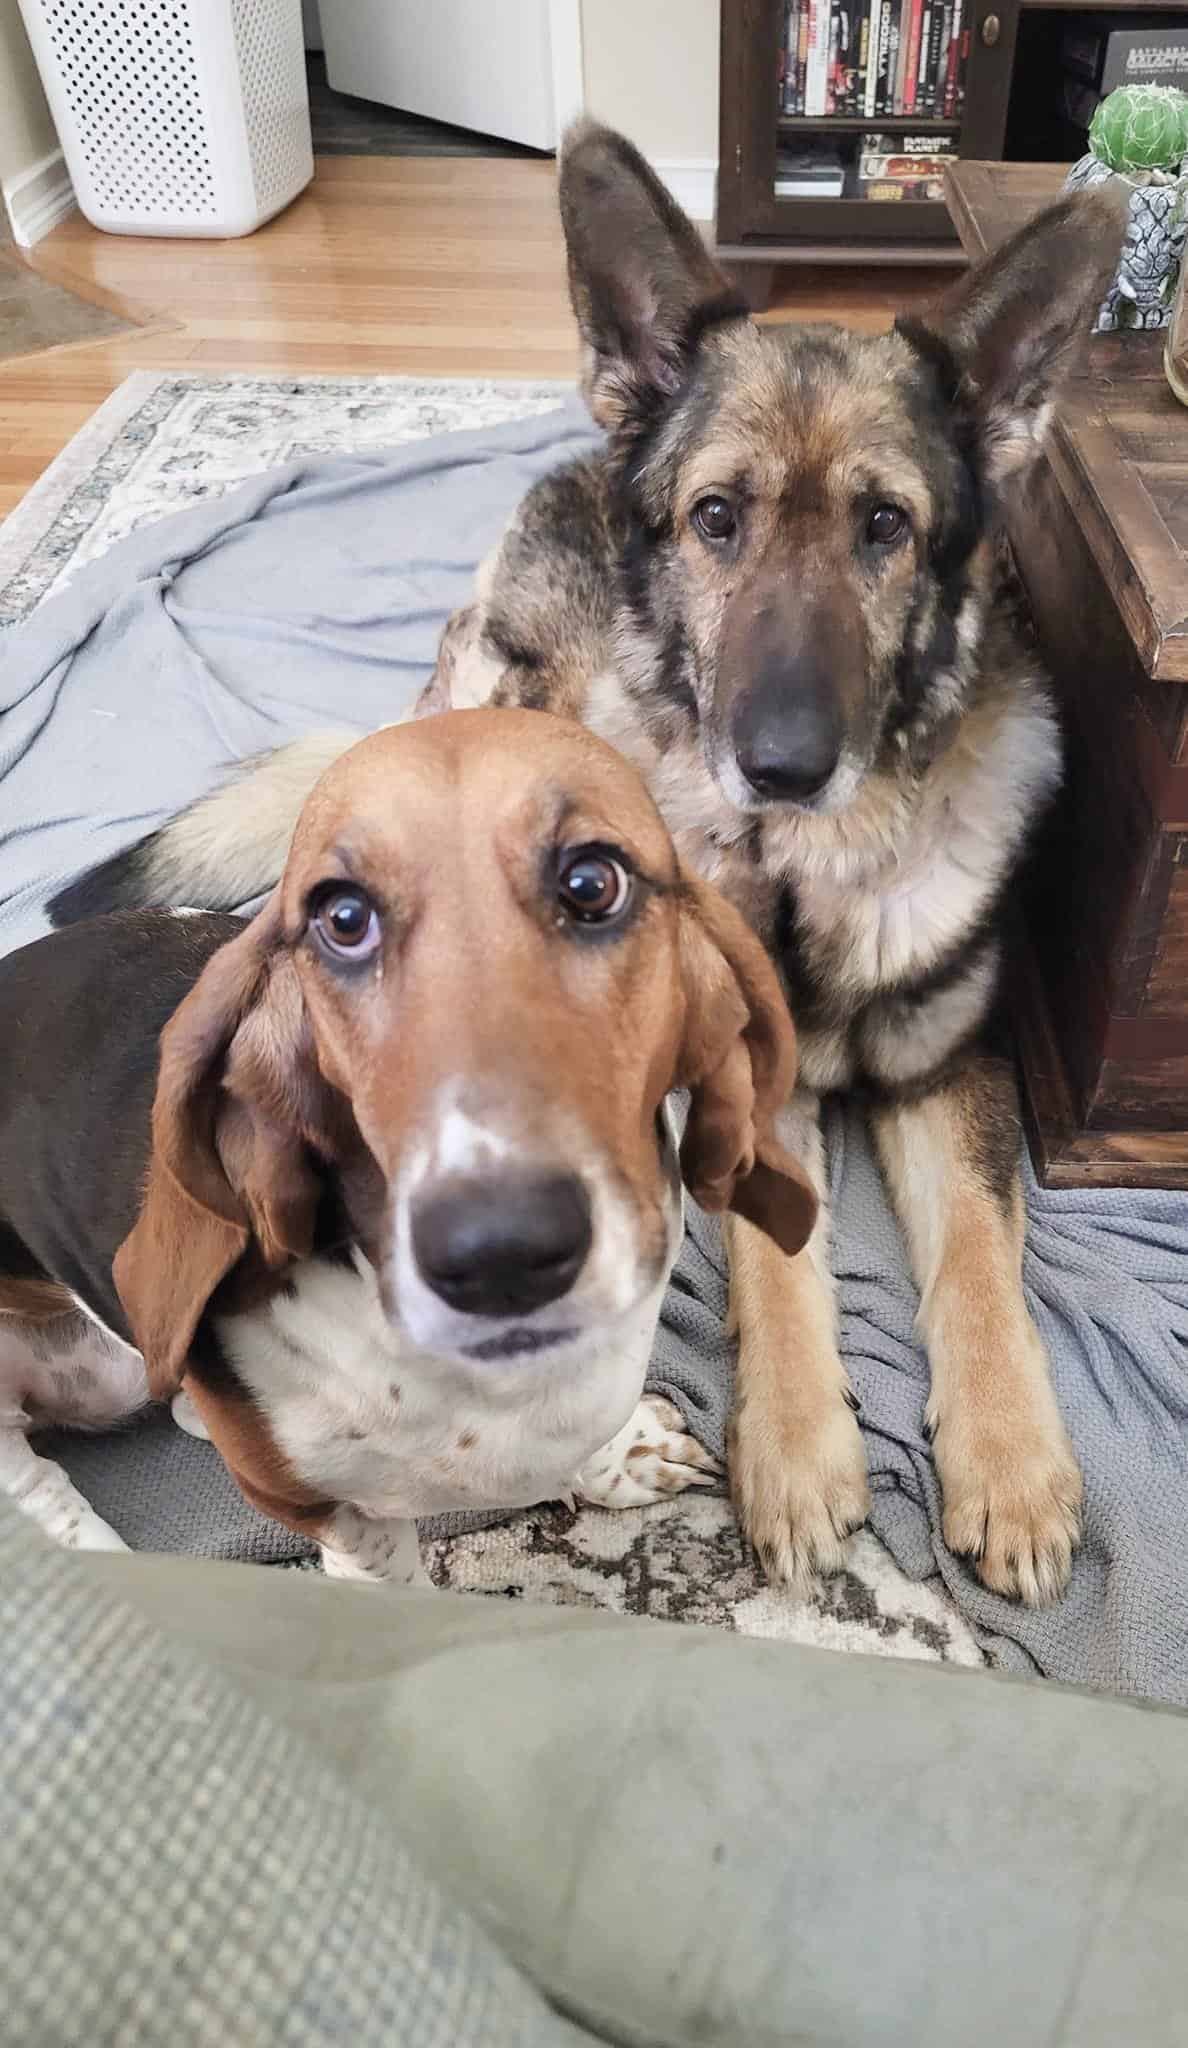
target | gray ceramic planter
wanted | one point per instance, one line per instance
(1142, 292)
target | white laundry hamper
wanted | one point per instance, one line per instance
(177, 117)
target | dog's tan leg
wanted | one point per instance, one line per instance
(1012, 1489)
(797, 1465)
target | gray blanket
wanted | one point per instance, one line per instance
(314, 594)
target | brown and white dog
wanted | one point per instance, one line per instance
(386, 1176)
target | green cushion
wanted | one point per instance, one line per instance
(686, 1836)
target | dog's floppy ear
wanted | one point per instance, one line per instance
(228, 1163)
(1008, 336)
(738, 1060)
(642, 282)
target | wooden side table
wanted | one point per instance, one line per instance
(1100, 537)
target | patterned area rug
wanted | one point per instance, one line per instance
(36, 314)
(160, 442)
(163, 440)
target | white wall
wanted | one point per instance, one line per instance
(26, 127)
(651, 69)
(34, 182)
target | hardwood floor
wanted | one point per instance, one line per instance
(442, 266)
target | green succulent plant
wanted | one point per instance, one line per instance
(1141, 128)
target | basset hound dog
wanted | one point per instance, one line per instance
(382, 1185)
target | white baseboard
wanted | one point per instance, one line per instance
(693, 182)
(37, 199)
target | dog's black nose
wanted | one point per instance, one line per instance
(502, 1246)
(786, 742)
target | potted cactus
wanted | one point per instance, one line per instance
(1139, 135)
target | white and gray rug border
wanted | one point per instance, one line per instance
(81, 478)
(42, 505)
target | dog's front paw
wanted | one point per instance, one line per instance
(800, 1488)
(1012, 1501)
(60, 1510)
(651, 1458)
(372, 1550)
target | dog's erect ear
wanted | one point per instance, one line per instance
(738, 1060)
(1009, 335)
(228, 1161)
(643, 284)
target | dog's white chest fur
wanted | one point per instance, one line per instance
(365, 1416)
(896, 924)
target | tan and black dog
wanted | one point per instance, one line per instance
(775, 589)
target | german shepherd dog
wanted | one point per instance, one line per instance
(776, 589)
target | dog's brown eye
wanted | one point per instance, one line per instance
(715, 517)
(346, 924)
(594, 888)
(885, 524)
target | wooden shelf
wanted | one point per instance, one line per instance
(854, 124)
(879, 255)
(758, 229)
(851, 219)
